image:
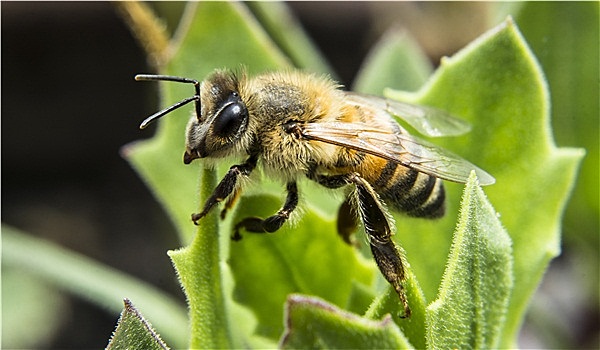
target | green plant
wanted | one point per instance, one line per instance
(467, 289)
(503, 105)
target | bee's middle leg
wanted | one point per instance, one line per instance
(273, 222)
(347, 220)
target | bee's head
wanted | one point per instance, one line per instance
(220, 117)
(223, 118)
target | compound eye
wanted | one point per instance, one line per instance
(230, 119)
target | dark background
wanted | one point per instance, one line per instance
(69, 103)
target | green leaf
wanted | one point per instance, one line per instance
(92, 281)
(314, 323)
(569, 54)
(473, 298)
(205, 295)
(134, 332)
(496, 84)
(308, 257)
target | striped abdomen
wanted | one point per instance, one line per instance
(409, 191)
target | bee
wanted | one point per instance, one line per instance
(293, 125)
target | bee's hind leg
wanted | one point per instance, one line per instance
(273, 222)
(377, 225)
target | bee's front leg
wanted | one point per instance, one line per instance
(226, 187)
(377, 225)
(273, 222)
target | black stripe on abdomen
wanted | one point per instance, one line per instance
(416, 194)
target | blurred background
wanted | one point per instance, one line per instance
(69, 103)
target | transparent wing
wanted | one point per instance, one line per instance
(405, 149)
(428, 121)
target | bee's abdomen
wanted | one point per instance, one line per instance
(411, 192)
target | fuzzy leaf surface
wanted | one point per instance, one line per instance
(311, 322)
(473, 298)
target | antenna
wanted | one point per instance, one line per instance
(155, 77)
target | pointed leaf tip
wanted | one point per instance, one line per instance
(134, 332)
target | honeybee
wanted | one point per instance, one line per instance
(294, 125)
